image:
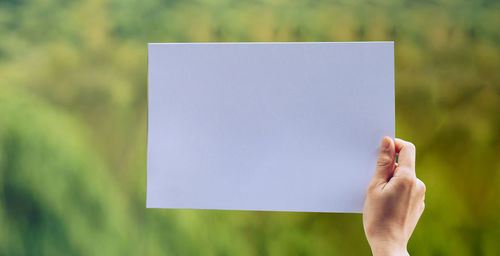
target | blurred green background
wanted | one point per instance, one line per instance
(73, 118)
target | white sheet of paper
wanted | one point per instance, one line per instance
(267, 126)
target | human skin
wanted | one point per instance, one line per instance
(394, 199)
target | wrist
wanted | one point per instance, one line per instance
(389, 250)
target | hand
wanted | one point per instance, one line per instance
(394, 199)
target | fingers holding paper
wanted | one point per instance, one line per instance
(406, 160)
(385, 161)
(394, 200)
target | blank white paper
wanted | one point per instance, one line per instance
(267, 126)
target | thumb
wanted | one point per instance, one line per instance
(385, 160)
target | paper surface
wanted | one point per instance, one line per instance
(267, 126)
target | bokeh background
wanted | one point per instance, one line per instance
(73, 119)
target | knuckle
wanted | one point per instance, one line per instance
(372, 230)
(384, 161)
(421, 186)
(407, 182)
(369, 190)
(371, 187)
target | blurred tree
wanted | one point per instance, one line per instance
(56, 197)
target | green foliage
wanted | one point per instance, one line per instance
(73, 112)
(54, 196)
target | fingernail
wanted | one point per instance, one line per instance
(386, 143)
